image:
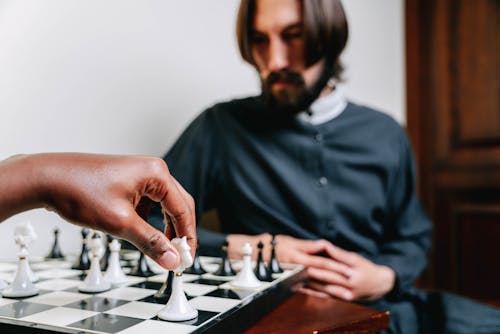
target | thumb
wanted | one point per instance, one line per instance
(152, 242)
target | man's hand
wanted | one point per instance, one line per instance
(332, 271)
(289, 250)
(365, 281)
(104, 192)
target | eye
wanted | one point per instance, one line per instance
(292, 35)
(257, 38)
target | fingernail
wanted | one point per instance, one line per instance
(169, 260)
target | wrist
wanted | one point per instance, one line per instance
(388, 277)
(21, 191)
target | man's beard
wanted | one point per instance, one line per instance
(295, 96)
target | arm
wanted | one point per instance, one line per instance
(108, 193)
(402, 251)
(409, 236)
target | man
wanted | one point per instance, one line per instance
(334, 181)
(102, 192)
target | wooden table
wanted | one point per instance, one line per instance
(307, 314)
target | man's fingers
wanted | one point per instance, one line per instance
(328, 277)
(325, 263)
(309, 246)
(187, 226)
(332, 290)
(312, 292)
(341, 255)
(151, 242)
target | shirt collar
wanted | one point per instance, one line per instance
(324, 108)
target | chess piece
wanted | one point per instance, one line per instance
(261, 271)
(83, 260)
(105, 258)
(196, 268)
(3, 285)
(163, 294)
(178, 307)
(142, 268)
(114, 274)
(274, 266)
(246, 277)
(24, 234)
(95, 282)
(55, 252)
(225, 268)
(22, 286)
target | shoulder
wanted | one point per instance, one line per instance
(371, 122)
(365, 114)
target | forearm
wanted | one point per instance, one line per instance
(20, 188)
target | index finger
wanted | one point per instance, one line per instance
(341, 255)
(321, 262)
(178, 205)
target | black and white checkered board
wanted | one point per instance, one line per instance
(131, 308)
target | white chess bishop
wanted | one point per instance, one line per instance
(22, 285)
(178, 307)
(95, 281)
(114, 274)
(246, 277)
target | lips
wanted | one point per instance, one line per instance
(282, 84)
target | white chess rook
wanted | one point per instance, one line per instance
(178, 307)
(95, 281)
(114, 274)
(246, 277)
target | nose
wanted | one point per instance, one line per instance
(278, 55)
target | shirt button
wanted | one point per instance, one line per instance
(318, 137)
(323, 181)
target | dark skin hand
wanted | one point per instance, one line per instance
(104, 192)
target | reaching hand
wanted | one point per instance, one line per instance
(104, 192)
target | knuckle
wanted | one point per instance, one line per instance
(157, 166)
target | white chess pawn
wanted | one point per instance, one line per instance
(95, 281)
(22, 285)
(178, 307)
(3, 284)
(246, 277)
(24, 234)
(114, 274)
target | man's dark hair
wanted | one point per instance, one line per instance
(324, 27)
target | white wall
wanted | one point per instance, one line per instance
(123, 76)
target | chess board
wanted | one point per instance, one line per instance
(131, 308)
